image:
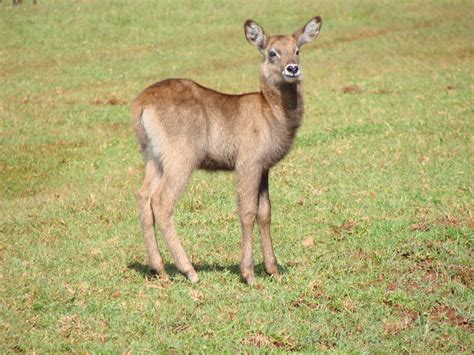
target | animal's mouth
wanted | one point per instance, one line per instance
(291, 77)
(287, 74)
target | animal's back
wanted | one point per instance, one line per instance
(184, 117)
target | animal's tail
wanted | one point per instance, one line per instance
(137, 112)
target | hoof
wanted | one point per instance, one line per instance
(192, 276)
(271, 269)
(159, 273)
(250, 280)
(276, 276)
(164, 277)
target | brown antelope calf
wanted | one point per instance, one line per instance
(182, 126)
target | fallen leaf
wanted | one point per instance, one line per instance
(308, 242)
(392, 287)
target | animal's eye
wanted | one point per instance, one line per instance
(297, 52)
(272, 54)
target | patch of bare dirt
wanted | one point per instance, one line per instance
(433, 275)
(352, 89)
(464, 274)
(112, 101)
(379, 92)
(407, 312)
(360, 255)
(470, 222)
(405, 317)
(466, 53)
(443, 313)
(393, 327)
(392, 287)
(412, 285)
(304, 301)
(261, 340)
(420, 227)
(347, 227)
(448, 221)
(443, 221)
(311, 299)
(349, 305)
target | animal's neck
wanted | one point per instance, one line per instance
(285, 101)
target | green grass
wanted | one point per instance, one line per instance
(372, 209)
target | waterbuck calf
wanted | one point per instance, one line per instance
(182, 126)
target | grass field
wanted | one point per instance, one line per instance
(372, 210)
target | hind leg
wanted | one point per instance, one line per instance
(150, 183)
(170, 187)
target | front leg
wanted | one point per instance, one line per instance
(248, 181)
(264, 220)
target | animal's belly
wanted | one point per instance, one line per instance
(216, 164)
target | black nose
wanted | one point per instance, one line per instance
(292, 68)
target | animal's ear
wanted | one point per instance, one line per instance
(309, 31)
(255, 34)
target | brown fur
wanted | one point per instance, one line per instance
(182, 126)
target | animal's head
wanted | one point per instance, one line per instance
(281, 53)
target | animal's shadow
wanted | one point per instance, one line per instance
(172, 271)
